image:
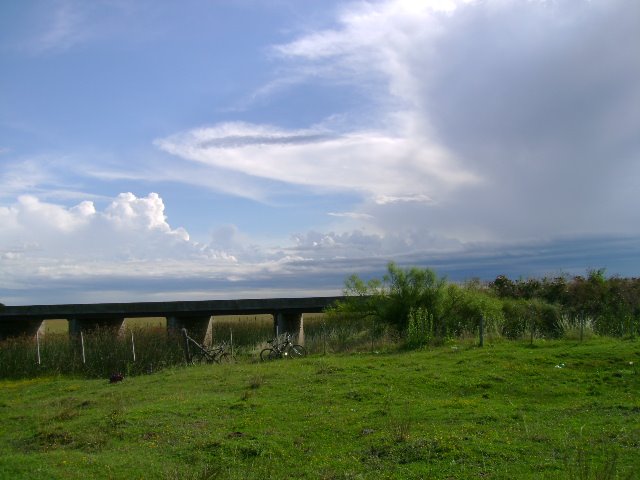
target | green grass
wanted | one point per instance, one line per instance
(559, 409)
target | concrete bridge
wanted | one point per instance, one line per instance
(195, 316)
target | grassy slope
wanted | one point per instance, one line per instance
(504, 411)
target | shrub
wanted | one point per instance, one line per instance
(465, 306)
(533, 317)
(391, 299)
(612, 304)
(421, 327)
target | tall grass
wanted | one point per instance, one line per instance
(246, 331)
(334, 334)
(104, 353)
(573, 327)
(322, 334)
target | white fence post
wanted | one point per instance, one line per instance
(38, 346)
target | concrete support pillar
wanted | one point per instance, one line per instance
(293, 323)
(18, 328)
(77, 325)
(200, 328)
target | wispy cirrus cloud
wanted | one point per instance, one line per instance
(65, 29)
(45, 176)
(62, 25)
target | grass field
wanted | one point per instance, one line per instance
(557, 409)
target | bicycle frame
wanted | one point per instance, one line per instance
(214, 354)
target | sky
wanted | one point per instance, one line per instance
(210, 149)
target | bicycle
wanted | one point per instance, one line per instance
(202, 354)
(218, 354)
(282, 349)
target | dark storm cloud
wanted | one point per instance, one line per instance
(541, 99)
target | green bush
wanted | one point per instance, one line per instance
(390, 300)
(465, 306)
(612, 304)
(530, 317)
(420, 330)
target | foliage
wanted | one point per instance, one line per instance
(513, 308)
(246, 331)
(411, 288)
(421, 327)
(391, 299)
(421, 305)
(530, 317)
(611, 304)
(465, 306)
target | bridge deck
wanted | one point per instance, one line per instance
(165, 309)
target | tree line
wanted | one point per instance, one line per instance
(424, 307)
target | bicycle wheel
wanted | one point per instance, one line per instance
(297, 351)
(224, 358)
(268, 354)
(201, 357)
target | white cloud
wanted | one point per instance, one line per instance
(31, 213)
(315, 245)
(352, 215)
(129, 228)
(129, 212)
(128, 241)
(129, 252)
(386, 199)
(372, 163)
(494, 120)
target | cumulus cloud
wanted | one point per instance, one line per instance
(130, 228)
(90, 253)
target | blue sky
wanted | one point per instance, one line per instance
(226, 149)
